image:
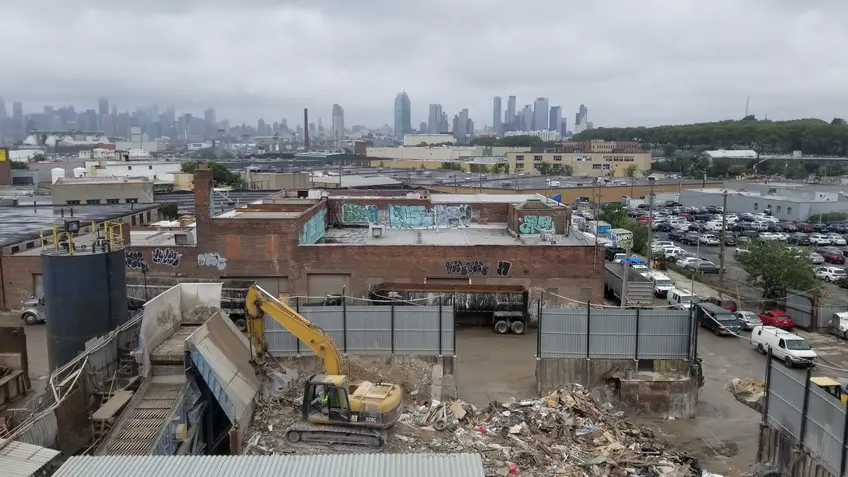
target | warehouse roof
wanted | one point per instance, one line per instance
(336, 465)
(19, 459)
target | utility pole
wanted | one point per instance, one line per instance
(624, 275)
(650, 225)
(721, 245)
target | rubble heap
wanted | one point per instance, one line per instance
(750, 392)
(564, 433)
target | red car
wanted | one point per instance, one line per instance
(725, 303)
(777, 318)
(806, 228)
(832, 256)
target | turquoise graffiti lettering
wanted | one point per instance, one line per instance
(359, 214)
(533, 224)
(313, 229)
(410, 217)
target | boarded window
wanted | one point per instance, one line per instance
(233, 246)
(270, 246)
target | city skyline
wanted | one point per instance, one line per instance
(634, 76)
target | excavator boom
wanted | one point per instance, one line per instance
(259, 302)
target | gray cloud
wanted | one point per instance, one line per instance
(646, 62)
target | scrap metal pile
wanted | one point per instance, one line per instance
(564, 433)
(748, 391)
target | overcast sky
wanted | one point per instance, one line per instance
(642, 62)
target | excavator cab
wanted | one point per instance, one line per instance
(326, 400)
(831, 386)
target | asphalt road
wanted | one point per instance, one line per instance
(736, 276)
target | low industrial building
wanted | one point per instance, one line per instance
(428, 139)
(102, 190)
(790, 202)
(582, 164)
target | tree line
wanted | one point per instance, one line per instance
(812, 136)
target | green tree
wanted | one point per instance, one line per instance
(669, 149)
(38, 157)
(830, 217)
(485, 141)
(719, 167)
(220, 174)
(615, 214)
(451, 166)
(774, 268)
(18, 165)
(545, 168)
(567, 170)
(838, 122)
(631, 171)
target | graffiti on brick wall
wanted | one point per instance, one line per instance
(534, 224)
(211, 259)
(134, 259)
(166, 256)
(421, 217)
(313, 229)
(359, 214)
(476, 267)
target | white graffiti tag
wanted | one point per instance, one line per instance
(211, 259)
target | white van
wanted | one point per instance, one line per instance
(681, 298)
(662, 284)
(785, 346)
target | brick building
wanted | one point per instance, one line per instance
(322, 245)
(314, 247)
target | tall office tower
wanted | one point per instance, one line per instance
(564, 127)
(403, 115)
(210, 124)
(555, 121)
(444, 125)
(434, 119)
(338, 123)
(260, 127)
(102, 106)
(497, 117)
(540, 114)
(2, 109)
(526, 118)
(422, 127)
(510, 114)
(460, 127)
(581, 119)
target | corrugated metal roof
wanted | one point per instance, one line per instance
(18, 459)
(335, 465)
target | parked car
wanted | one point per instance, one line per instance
(729, 240)
(776, 318)
(836, 239)
(768, 236)
(702, 266)
(691, 238)
(798, 238)
(787, 347)
(815, 258)
(740, 252)
(681, 299)
(805, 227)
(717, 319)
(831, 255)
(726, 303)
(819, 239)
(749, 319)
(709, 239)
(842, 282)
(830, 274)
(788, 227)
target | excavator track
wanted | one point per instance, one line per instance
(337, 437)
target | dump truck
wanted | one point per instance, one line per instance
(640, 290)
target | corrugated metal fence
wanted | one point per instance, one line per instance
(372, 330)
(615, 333)
(799, 306)
(805, 411)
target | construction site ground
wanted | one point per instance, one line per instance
(39, 368)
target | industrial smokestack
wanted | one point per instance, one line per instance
(306, 129)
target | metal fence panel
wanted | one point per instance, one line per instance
(799, 306)
(563, 333)
(664, 334)
(786, 398)
(369, 329)
(612, 334)
(825, 424)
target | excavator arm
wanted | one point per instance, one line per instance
(259, 303)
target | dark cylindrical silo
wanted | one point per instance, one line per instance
(85, 296)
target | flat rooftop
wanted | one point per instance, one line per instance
(778, 196)
(22, 223)
(154, 237)
(491, 234)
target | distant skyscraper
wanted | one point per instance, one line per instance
(581, 119)
(403, 115)
(510, 114)
(461, 124)
(497, 116)
(103, 106)
(434, 119)
(2, 110)
(540, 114)
(338, 123)
(210, 123)
(564, 127)
(422, 127)
(526, 118)
(555, 121)
(260, 127)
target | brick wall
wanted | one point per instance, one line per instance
(484, 212)
(17, 276)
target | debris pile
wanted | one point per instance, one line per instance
(564, 433)
(747, 391)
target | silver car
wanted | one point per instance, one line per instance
(749, 319)
(32, 311)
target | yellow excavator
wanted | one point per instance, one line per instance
(336, 411)
(832, 387)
